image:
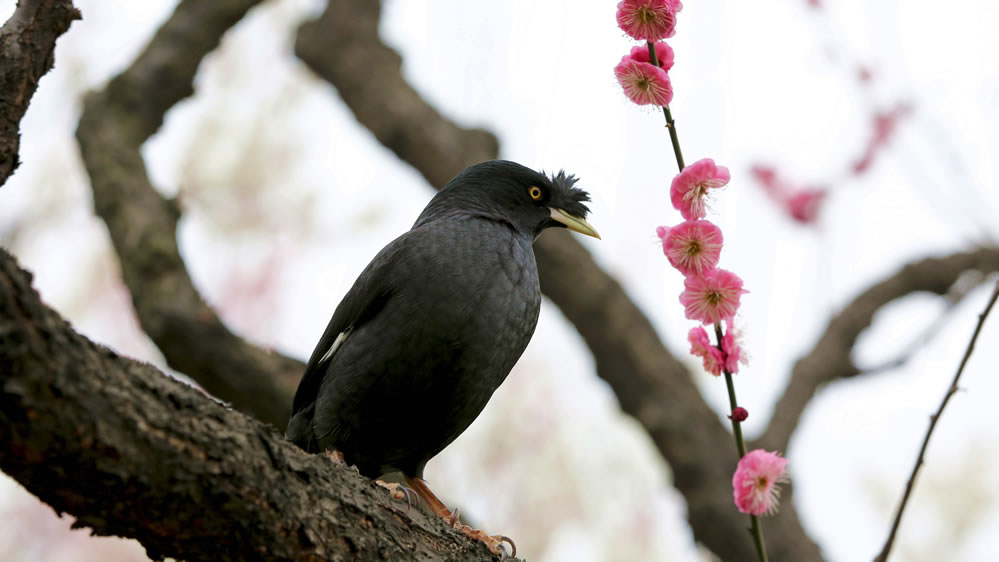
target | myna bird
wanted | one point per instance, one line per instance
(433, 325)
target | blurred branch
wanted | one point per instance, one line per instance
(953, 298)
(143, 225)
(343, 47)
(830, 359)
(951, 390)
(131, 452)
(27, 47)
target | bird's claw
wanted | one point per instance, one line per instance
(513, 546)
(399, 492)
(493, 542)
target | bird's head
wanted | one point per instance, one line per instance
(505, 191)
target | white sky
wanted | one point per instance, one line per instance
(283, 179)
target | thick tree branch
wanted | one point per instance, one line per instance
(142, 224)
(343, 47)
(131, 452)
(830, 359)
(27, 47)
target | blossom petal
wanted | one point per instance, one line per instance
(648, 20)
(754, 484)
(644, 83)
(711, 297)
(689, 187)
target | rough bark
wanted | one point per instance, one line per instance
(131, 452)
(143, 225)
(27, 47)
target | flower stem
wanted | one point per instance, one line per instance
(670, 124)
(740, 444)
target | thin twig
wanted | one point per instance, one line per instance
(670, 124)
(954, 298)
(883, 556)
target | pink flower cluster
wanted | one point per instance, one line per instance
(711, 295)
(643, 79)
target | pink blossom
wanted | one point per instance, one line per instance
(691, 185)
(643, 83)
(884, 125)
(711, 297)
(692, 247)
(732, 351)
(804, 206)
(700, 346)
(739, 414)
(754, 483)
(648, 20)
(664, 54)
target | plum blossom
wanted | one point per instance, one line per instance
(711, 297)
(664, 55)
(804, 206)
(732, 350)
(643, 83)
(754, 483)
(700, 346)
(739, 414)
(693, 247)
(690, 187)
(648, 20)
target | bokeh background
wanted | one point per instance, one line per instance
(286, 197)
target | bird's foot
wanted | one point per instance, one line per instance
(495, 543)
(399, 492)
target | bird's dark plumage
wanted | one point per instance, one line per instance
(435, 322)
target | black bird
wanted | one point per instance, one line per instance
(433, 325)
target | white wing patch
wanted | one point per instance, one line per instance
(342, 337)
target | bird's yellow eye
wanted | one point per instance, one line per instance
(535, 192)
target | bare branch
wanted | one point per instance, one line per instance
(961, 289)
(132, 452)
(27, 46)
(951, 390)
(142, 224)
(830, 359)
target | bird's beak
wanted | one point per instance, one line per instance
(574, 223)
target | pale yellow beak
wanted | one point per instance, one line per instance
(574, 223)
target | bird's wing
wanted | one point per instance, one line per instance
(362, 302)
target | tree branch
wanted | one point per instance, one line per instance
(27, 47)
(830, 359)
(131, 452)
(343, 47)
(951, 391)
(142, 224)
